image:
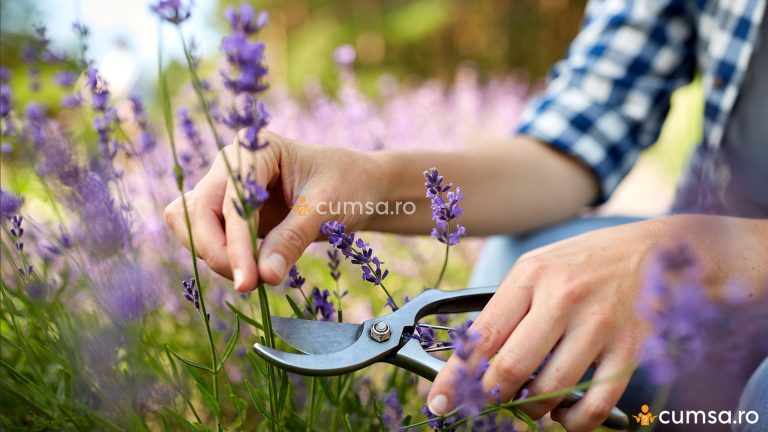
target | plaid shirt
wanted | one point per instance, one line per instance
(608, 98)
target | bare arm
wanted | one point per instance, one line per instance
(512, 185)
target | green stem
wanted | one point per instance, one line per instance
(445, 259)
(180, 186)
(311, 408)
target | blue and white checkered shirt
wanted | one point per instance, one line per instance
(608, 98)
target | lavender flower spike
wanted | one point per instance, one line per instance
(295, 280)
(9, 203)
(322, 305)
(173, 11)
(190, 292)
(360, 254)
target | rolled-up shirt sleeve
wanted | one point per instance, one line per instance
(607, 100)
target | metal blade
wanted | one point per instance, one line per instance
(316, 337)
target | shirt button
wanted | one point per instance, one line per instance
(719, 82)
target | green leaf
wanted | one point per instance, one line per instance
(283, 393)
(244, 317)
(347, 424)
(230, 344)
(327, 390)
(241, 408)
(295, 307)
(257, 401)
(189, 362)
(181, 420)
(528, 421)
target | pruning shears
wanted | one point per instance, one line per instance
(333, 348)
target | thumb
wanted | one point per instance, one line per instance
(285, 243)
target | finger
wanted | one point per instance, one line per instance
(285, 243)
(610, 380)
(523, 352)
(239, 244)
(494, 324)
(204, 208)
(567, 364)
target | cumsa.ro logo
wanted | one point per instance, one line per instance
(725, 417)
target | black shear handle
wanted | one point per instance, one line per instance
(411, 355)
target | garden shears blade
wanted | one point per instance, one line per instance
(331, 348)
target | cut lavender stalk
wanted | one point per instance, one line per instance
(445, 208)
(360, 254)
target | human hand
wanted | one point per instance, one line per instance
(294, 173)
(576, 300)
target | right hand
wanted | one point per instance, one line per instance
(290, 170)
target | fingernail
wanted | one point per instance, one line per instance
(238, 277)
(277, 262)
(438, 404)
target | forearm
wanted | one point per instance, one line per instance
(510, 186)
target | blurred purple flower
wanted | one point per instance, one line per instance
(73, 100)
(9, 203)
(173, 11)
(192, 134)
(322, 304)
(147, 139)
(250, 119)
(254, 195)
(65, 79)
(464, 340)
(245, 21)
(470, 396)
(689, 329)
(126, 291)
(5, 75)
(344, 55)
(190, 292)
(5, 100)
(99, 90)
(392, 411)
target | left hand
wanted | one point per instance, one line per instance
(575, 299)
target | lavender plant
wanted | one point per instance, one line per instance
(102, 312)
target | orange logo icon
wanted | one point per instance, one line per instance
(644, 417)
(301, 207)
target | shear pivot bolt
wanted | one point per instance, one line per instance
(380, 331)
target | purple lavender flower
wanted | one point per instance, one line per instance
(65, 79)
(425, 335)
(5, 100)
(254, 195)
(464, 340)
(295, 279)
(190, 292)
(73, 100)
(392, 412)
(322, 304)
(374, 276)
(338, 237)
(147, 140)
(103, 127)
(334, 262)
(173, 11)
(5, 75)
(470, 396)
(245, 20)
(344, 55)
(445, 207)
(192, 134)
(99, 90)
(688, 328)
(252, 117)
(9, 203)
